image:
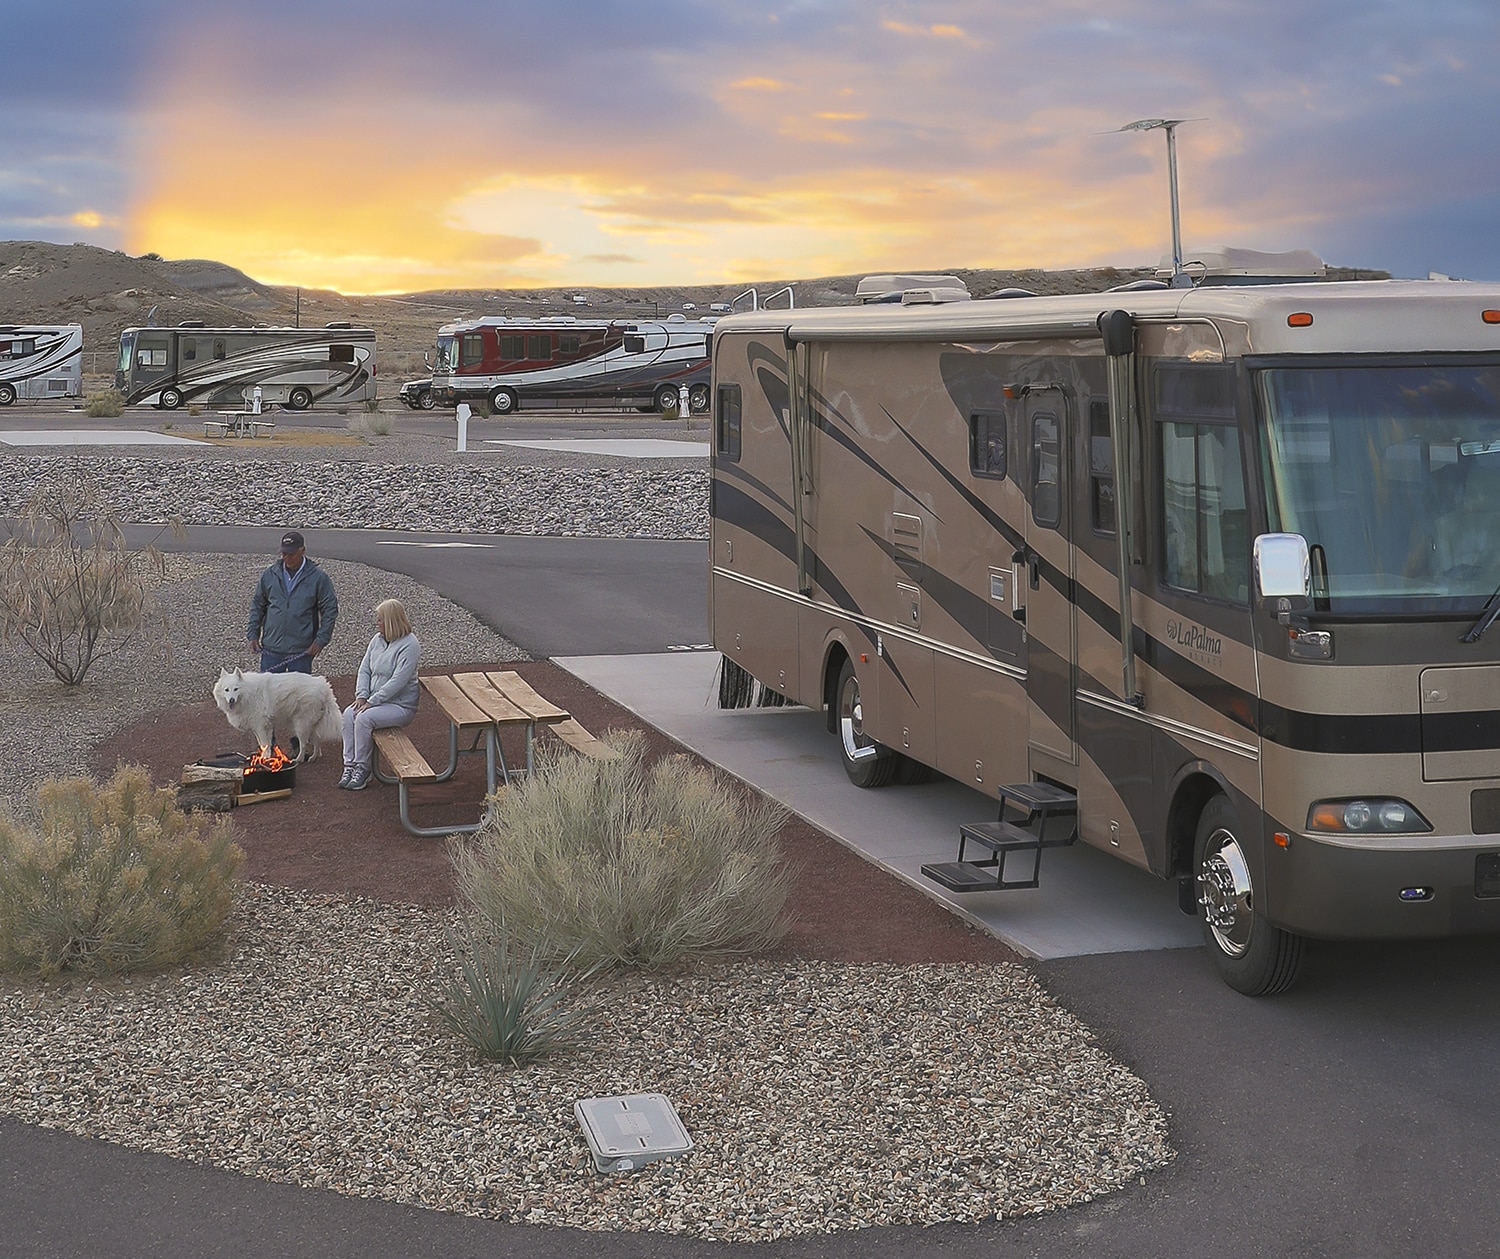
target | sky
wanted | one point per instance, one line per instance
(387, 146)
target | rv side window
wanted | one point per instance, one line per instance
(341, 354)
(1046, 492)
(17, 349)
(189, 349)
(727, 423)
(511, 348)
(153, 358)
(987, 444)
(471, 347)
(539, 347)
(569, 347)
(1203, 511)
(635, 344)
(1101, 467)
(4, 349)
(219, 348)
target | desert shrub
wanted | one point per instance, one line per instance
(377, 424)
(112, 878)
(372, 405)
(70, 591)
(509, 1007)
(621, 863)
(106, 404)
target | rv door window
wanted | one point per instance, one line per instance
(220, 349)
(1101, 468)
(727, 423)
(987, 444)
(189, 350)
(1046, 491)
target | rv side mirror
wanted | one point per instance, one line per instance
(1283, 569)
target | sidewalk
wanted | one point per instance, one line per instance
(1087, 903)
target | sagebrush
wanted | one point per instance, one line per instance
(509, 1006)
(71, 592)
(106, 404)
(621, 863)
(112, 878)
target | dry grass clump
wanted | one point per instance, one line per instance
(620, 864)
(106, 404)
(113, 878)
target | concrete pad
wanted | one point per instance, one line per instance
(625, 447)
(91, 437)
(1088, 901)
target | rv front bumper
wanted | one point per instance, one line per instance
(1408, 886)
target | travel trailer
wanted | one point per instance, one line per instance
(293, 367)
(1212, 569)
(40, 362)
(506, 362)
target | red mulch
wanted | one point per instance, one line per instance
(843, 908)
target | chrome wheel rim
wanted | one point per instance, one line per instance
(1225, 893)
(852, 722)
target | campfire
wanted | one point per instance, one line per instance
(232, 779)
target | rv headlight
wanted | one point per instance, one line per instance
(1365, 817)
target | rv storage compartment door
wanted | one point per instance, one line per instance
(1460, 735)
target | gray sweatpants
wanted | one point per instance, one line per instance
(360, 728)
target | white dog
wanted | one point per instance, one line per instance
(296, 705)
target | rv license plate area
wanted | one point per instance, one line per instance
(1487, 874)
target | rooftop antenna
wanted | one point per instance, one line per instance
(1179, 278)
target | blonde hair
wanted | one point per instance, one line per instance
(391, 616)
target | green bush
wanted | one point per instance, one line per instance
(615, 862)
(106, 404)
(114, 878)
(510, 1008)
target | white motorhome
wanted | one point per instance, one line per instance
(293, 367)
(40, 362)
(1205, 571)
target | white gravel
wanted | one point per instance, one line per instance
(820, 1097)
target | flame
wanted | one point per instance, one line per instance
(262, 763)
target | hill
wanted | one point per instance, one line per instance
(106, 291)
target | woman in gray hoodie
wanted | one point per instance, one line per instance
(385, 693)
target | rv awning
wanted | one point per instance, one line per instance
(896, 328)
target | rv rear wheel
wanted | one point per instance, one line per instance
(666, 398)
(504, 401)
(7, 395)
(1250, 954)
(300, 398)
(868, 764)
(698, 399)
(171, 399)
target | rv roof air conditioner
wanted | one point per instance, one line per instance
(339, 323)
(1223, 265)
(1006, 294)
(910, 290)
(191, 323)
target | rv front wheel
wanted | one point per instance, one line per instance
(1250, 954)
(868, 764)
(7, 395)
(171, 399)
(300, 398)
(504, 401)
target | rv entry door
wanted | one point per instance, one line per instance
(1047, 571)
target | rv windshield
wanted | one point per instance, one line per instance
(445, 355)
(1392, 474)
(127, 344)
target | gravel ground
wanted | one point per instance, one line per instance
(819, 1096)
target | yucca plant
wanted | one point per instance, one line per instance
(112, 879)
(511, 1007)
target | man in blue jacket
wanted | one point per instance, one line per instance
(292, 614)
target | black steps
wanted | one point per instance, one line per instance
(1045, 816)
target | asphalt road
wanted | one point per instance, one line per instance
(1356, 1116)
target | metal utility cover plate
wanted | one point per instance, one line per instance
(630, 1131)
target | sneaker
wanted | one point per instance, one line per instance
(359, 778)
(345, 777)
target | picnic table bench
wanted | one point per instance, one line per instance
(481, 704)
(239, 424)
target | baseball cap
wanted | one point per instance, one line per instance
(292, 541)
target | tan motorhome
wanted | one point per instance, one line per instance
(921, 511)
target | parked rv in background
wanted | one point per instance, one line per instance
(508, 363)
(294, 367)
(40, 362)
(1208, 569)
